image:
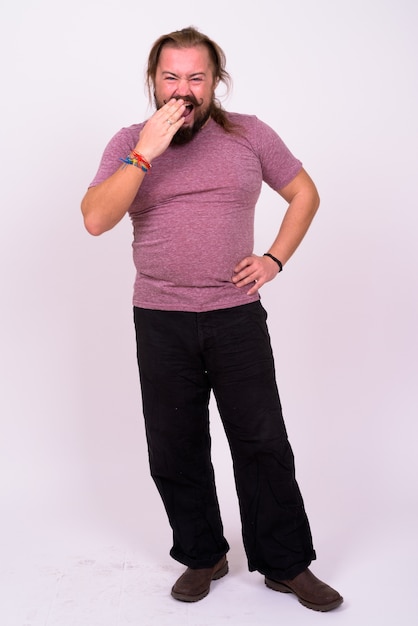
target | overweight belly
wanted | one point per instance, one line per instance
(195, 252)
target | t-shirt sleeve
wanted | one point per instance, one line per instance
(279, 165)
(118, 148)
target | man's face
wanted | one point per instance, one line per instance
(186, 73)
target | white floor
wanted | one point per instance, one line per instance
(113, 570)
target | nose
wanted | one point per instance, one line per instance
(183, 87)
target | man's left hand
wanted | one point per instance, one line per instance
(254, 270)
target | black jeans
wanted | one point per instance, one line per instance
(182, 357)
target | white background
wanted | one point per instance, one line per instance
(83, 534)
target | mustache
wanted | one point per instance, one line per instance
(191, 99)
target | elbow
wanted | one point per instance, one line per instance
(92, 222)
(312, 195)
(316, 201)
(93, 227)
(97, 224)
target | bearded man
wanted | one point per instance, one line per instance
(200, 324)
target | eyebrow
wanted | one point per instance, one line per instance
(190, 75)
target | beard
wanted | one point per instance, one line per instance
(201, 115)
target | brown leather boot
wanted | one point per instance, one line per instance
(310, 591)
(194, 584)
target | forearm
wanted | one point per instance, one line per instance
(105, 205)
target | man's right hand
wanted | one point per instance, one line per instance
(156, 135)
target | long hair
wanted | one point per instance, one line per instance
(190, 38)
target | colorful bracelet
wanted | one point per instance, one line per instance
(137, 160)
(141, 159)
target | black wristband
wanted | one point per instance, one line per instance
(279, 263)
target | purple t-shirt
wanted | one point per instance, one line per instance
(193, 216)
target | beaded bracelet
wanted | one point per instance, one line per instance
(137, 160)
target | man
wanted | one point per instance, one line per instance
(200, 325)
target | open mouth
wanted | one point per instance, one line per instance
(189, 108)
